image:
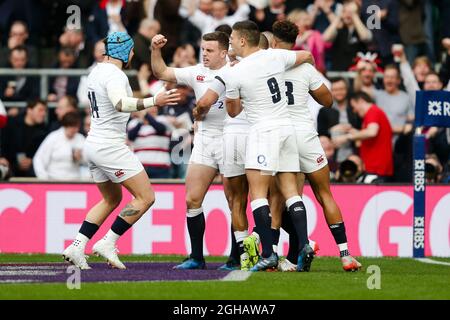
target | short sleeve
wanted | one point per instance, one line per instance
(316, 79)
(116, 81)
(372, 116)
(218, 85)
(184, 75)
(231, 84)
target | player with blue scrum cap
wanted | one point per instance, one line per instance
(110, 161)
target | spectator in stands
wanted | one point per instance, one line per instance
(98, 52)
(142, 40)
(3, 115)
(18, 88)
(411, 28)
(395, 102)
(336, 121)
(60, 154)
(60, 86)
(413, 78)
(433, 169)
(219, 15)
(65, 105)
(106, 17)
(22, 137)
(184, 56)
(273, 12)
(181, 119)
(444, 73)
(375, 137)
(166, 12)
(86, 124)
(366, 70)
(349, 36)
(150, 137)
(387, 33)
(18, 36)
(352, 170)
(309, 39)
(323, 13)
(74, 39)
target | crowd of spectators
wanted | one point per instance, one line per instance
(367, 134)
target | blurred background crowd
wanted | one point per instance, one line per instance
(392, 50)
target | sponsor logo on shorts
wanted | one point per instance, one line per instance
(261, 160)
(119, 173)
(320, 159)
(298, 209)
(201, 78)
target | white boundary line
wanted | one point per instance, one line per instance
(431, 261)
(237, 275)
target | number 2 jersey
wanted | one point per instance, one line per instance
(107, 124)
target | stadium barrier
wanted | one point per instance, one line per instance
(43, 218)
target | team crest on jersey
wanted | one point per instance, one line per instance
(119, 173)
(320, 159)
(201, 78)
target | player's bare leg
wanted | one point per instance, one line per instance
(139, 186)
(198, 179)
(259, 183)
(287, 182)
(320, 183)
(112, 196)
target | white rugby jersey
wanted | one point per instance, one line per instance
(258, 80)
(238, 124)
(299, 81)
(199, 77)
(107, 124)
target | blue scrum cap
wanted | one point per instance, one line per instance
(118, 45)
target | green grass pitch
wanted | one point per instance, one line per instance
(401, 278)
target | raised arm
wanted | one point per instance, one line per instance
(159, 67)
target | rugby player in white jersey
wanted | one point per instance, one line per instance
(235, 132)
(110, 161)
(257, 82)
(206, 157)
(301, 81)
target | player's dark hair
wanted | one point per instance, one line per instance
(361, 95)
(225, 29)
(285, 30)
(71, 119)
(219, 36)
(263, 41)
(249, 31)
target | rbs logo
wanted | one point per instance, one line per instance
(439, 108)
